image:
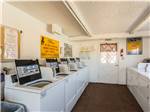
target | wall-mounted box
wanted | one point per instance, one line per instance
(54, 28)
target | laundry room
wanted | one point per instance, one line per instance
(75, 56)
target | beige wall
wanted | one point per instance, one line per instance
(32, 30)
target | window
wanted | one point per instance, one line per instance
(108, 53)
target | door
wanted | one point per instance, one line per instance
(108, 67)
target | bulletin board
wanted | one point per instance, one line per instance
(9, 43)
(134, 46)
(49, 48)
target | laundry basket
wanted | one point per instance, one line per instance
(12, 107)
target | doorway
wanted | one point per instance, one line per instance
(109, 64)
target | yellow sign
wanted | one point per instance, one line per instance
(49, 48)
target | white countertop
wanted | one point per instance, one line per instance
(142, 72)
(55, 81)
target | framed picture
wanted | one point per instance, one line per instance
(67, 50)
(134, 46)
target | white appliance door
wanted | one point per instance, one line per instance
(108, 65)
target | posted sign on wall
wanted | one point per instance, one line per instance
(49, 48)
(134, 46)
(9, 43)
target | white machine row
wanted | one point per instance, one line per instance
(59, 96)
(138, 83)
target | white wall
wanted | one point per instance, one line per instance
(129, 60)
(1, 12)
(149, 46)
(32, 30)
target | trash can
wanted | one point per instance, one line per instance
(6, 106)
(12, 107)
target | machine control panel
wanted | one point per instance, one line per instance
(53, 63)
(27, 70)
